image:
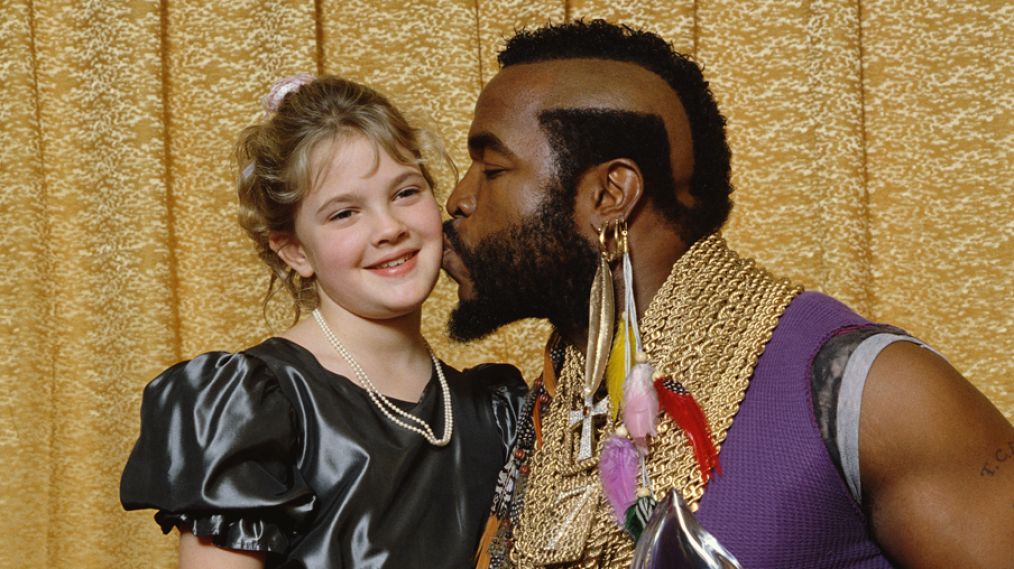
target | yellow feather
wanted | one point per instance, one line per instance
(616, 371)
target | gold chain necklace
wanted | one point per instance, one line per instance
(706, 326)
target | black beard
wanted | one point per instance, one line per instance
(541, 268)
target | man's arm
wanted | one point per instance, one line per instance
(937, 464)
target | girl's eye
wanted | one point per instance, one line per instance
(407, 192)
(341, 214)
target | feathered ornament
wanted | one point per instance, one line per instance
(630, 391)
(619, 365)
(640, 404)
(622, 373)
(618, 465)
(681, 406)
(638, 515)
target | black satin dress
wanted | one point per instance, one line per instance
(267, 450)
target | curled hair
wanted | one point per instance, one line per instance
(710, 182)
(276, 174)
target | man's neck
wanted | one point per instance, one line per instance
(652, 258)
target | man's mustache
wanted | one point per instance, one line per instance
(456, 254)
(452, 239)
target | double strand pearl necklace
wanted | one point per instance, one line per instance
(383, 403)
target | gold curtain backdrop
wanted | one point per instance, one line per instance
(871, 160)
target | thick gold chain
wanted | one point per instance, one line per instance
(707, 326)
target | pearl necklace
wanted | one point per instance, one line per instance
(383, 403)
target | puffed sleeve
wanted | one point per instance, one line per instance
(507, 389)
(217, 454)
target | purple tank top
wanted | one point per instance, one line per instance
(781, 502)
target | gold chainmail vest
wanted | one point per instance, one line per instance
(706, 327)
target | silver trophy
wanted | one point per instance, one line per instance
(673, 539)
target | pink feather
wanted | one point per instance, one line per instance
(618, 466)
(640, 403)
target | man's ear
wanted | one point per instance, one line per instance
(289, 250)
(613, 189)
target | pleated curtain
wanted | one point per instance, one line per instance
(871, 155)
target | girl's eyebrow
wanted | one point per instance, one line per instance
(398, 180)
(405, 175)
(343, 197)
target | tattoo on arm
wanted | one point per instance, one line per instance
(1003, 457)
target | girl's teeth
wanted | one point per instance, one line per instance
(394, 263)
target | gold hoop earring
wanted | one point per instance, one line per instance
(612, 239)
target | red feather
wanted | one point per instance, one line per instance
(681, 407)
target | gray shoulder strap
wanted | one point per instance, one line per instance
(850, 399)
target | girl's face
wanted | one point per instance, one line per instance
(370, 231)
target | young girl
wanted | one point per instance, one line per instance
(342, 442)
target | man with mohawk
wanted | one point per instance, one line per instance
(600, 179)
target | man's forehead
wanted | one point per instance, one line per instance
(510, 104)
(579, 83)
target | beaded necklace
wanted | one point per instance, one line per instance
(383, 403)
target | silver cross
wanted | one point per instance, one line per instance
(584, 416)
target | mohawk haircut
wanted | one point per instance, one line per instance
(710, 183)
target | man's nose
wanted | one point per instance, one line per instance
(461, 202)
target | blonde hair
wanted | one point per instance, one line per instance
(274, 159)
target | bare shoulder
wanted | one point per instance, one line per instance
(937, 461)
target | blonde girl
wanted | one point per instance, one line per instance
(343, 441)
